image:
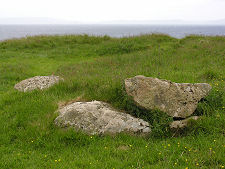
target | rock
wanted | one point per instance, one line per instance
(179, 124)
(37, 82)
(99, 118)
(176, 99)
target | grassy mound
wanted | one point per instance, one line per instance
(94, 68)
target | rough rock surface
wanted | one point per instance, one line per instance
(176, 99)
(99, 118)
(37, 82)
(182, 123)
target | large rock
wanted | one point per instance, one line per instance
(99, 118)
(176, 99)
(37, 82)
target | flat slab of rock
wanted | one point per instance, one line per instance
(99, 118)
(176, 99)
(179, 124)
(37, 82)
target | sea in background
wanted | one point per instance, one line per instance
(177, 31)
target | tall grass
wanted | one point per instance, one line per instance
(94, 68)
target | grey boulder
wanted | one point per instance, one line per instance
(37, 82)
(99, 118)
(175, 99)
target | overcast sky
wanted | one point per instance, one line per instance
(103, 10)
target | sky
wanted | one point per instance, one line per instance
(108, 10)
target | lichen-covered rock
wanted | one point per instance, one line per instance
(37, 82)
(99, 118)
(179, 124)
(176, 99)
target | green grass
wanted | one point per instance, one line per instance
(94, 68)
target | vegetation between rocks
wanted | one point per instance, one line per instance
(94, 68)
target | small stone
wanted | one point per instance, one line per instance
(99, 118)
(37, 82)
(175, 99)
(179, 124)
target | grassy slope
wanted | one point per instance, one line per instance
(94, 69)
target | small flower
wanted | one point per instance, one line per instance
(197, 164)
(160, 153)
(186, 168)
(59, 160)
(222, 166)
(146, 146)
(175, 163)
(210, 148)
(32, 141)
(168, 145)
(214, 140)
(186, 160)
(56, 160)
(45, 156)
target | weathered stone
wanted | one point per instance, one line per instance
(179, 124)
(176, 99)
(99, 118)
(37, 82)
